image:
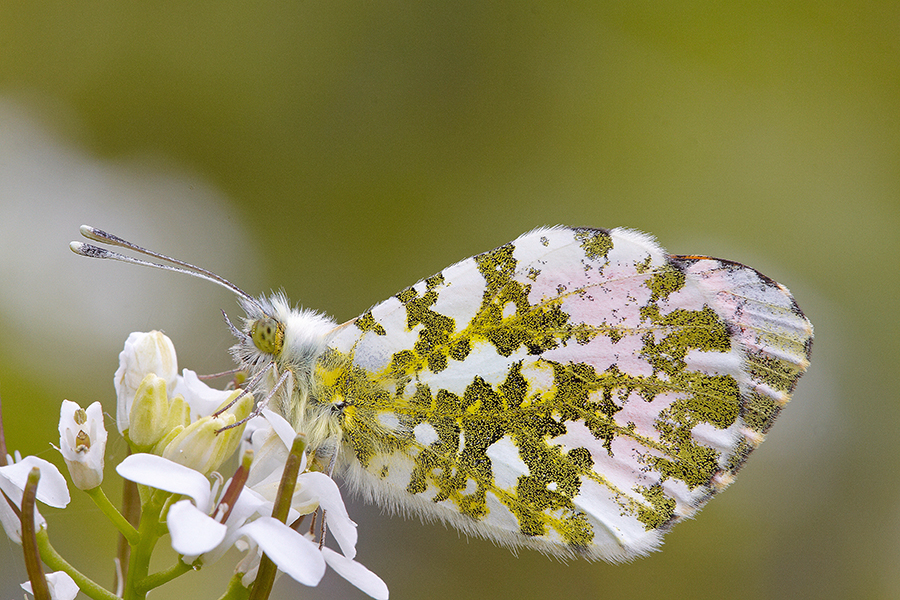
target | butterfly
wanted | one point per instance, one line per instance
(576, 391)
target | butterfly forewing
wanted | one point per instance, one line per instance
(577, 391)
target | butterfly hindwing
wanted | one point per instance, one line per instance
(577, 391)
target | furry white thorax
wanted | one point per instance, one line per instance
(305, 339)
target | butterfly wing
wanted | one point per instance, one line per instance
(576, 391)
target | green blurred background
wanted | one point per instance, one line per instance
(344, 150)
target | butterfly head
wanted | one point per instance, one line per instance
(274, 331)
(276, 341)
(261, 339)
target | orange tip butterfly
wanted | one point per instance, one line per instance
(577, 391)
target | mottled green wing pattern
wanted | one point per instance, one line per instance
(576, 391)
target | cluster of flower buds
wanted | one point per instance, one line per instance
(174, 416)
(180, 433)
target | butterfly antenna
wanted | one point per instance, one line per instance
(260, 406)
(98, 235)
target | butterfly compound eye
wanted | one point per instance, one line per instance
(267, 335)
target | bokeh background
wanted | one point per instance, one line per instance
(344, 150)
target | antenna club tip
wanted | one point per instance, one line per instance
(76, 247)
(92, 233)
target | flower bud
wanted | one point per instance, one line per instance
(149, 413)
(179, 414)
(144, 353)
(82, 441)
(200, 447)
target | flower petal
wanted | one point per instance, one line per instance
(321, 486)
(269, 456)
(248, 504)
(356, 574)
(11, 522)
(281, 427)
(203, 400)
(163, 474)
(51, 490)
(270, 443)
(290, 551)
(193, 532)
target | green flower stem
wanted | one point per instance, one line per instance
(148, 534)
(124, 527)
(56, 562)
(158, 579)
(236, 590)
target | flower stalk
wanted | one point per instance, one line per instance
(265, 578)
(125, 528)
(29, 538)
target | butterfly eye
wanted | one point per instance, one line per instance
(267, 335)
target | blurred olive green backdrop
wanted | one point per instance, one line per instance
(344, 150)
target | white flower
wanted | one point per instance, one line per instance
(144, 353)
(62, 587)
(82, 441)
(51, 490)
(182, 434)
(313, 489)
(198, 533)
(270, 438)
(194, 532)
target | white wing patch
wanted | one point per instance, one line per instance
(506, 463)
(425, 434)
